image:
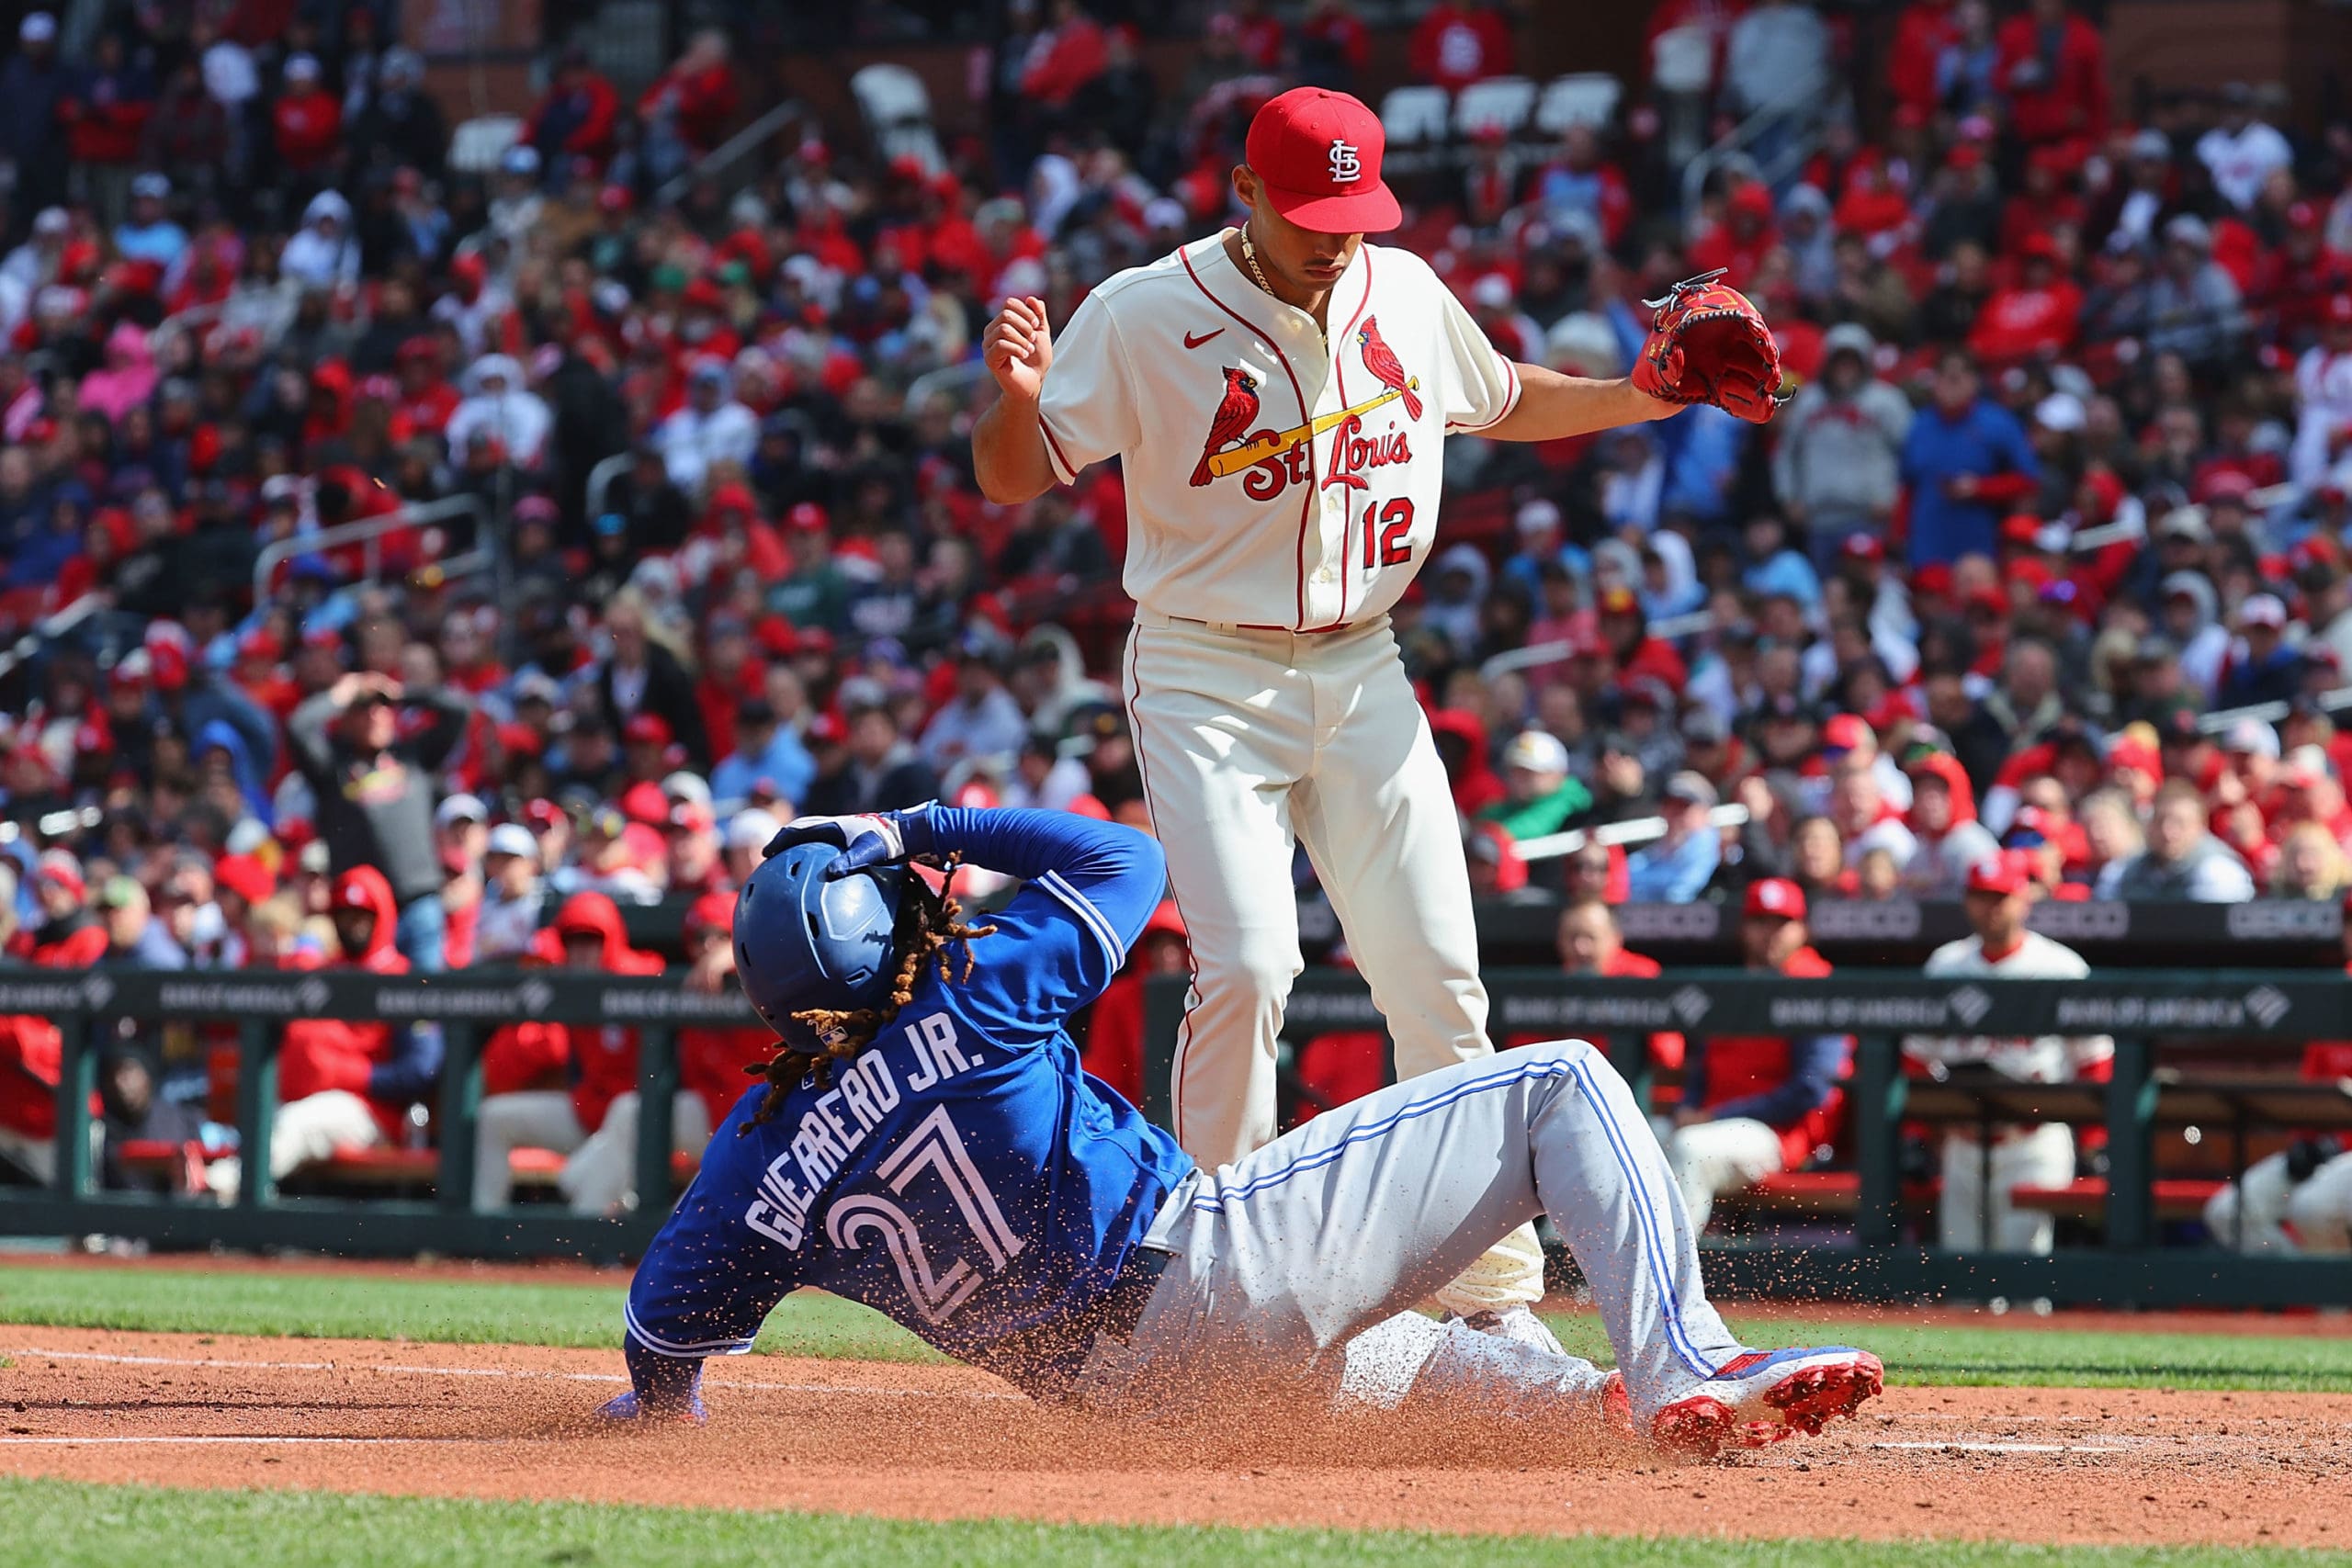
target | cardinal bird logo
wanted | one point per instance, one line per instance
(1234, 415)
(1381, 360)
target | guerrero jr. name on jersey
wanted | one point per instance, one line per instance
(866, 1090)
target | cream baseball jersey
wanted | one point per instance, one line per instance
(1276, 480)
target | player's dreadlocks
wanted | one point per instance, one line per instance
(929, 924)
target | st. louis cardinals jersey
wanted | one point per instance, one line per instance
(1275, 479)
(2052, 1058)
(961, 1175)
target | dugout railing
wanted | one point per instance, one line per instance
(468, 1008)
(2129, 1266)
(1871, 1261)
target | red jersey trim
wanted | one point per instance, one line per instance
(1510, 403)
(1304, 412)
(1062, 465)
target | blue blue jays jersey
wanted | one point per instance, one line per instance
(961, 1174)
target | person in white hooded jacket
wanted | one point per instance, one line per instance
(497, 402)
(323, 254)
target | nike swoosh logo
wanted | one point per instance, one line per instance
(1192, 341)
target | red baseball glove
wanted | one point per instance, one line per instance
(1709, 344)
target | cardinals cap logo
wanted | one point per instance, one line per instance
(1347, 167)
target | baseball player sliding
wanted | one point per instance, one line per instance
(926, 1143)
(1278, 394)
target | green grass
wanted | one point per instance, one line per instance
(63, 1524)
(313, 1305)
(329, 1306)
(1949, 1354)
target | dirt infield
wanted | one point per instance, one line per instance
(2052, 1465)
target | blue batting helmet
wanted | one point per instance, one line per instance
(804, 942)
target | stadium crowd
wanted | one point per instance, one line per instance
(2066, 475)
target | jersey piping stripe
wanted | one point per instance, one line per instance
(1347, 517)
(1509, 403)
(1646, 1220)
(1088, 916)
(1209, 1203)
(1054, 449)
(1306, 412)
(1192, 969)
(661, 1346)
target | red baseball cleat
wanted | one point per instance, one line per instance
(1756, 1399)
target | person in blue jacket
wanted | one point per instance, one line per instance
(1967, 465)
(925, 1141)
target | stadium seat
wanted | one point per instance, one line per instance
(1498, 103)
(2176, 1197)
(1416, 120)
(896, 107)
(478, 145)
(1587, 97)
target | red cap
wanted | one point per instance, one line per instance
(1864, 546)
(645, 803)
(1997, 873)
(2020, 529)
(521, 740)
(1776, 896)
(1845, 732)
(809, 516)
(246, 876)
(1933, 579)
(646, 729)
(1318, 154)
(60, 868)
(711, 912)
(691, 816)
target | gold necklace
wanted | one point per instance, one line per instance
(1249, 255)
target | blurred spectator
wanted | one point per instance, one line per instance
(375, 798)
(31, 1056)
(2241, 152)
(1457, 42)
(1543, 796)
(512, 896)
(1674, 869)
(2053, 70)
(2183, 860)
(690, 107)
(1754, 1107)
(1965, 460)
(980, 722)
(1836, 465)
(578, 114)
(877, 770)
(1114, 1038)
(347, 1085)
(131, 1111)
(551, 1085)
(1974, 1208)
(33, 86)
(1589, 944)
(766, 751)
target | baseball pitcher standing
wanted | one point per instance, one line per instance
(1279, 394)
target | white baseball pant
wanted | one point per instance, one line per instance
(1250, 741)
(601, 1176)
(527, 1119)
(1710, 1158)
(2321, 1208)
(2043, 1157)
(2250, 1213)
(304, 1129)
(36, 1158)
(1287, 1255)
